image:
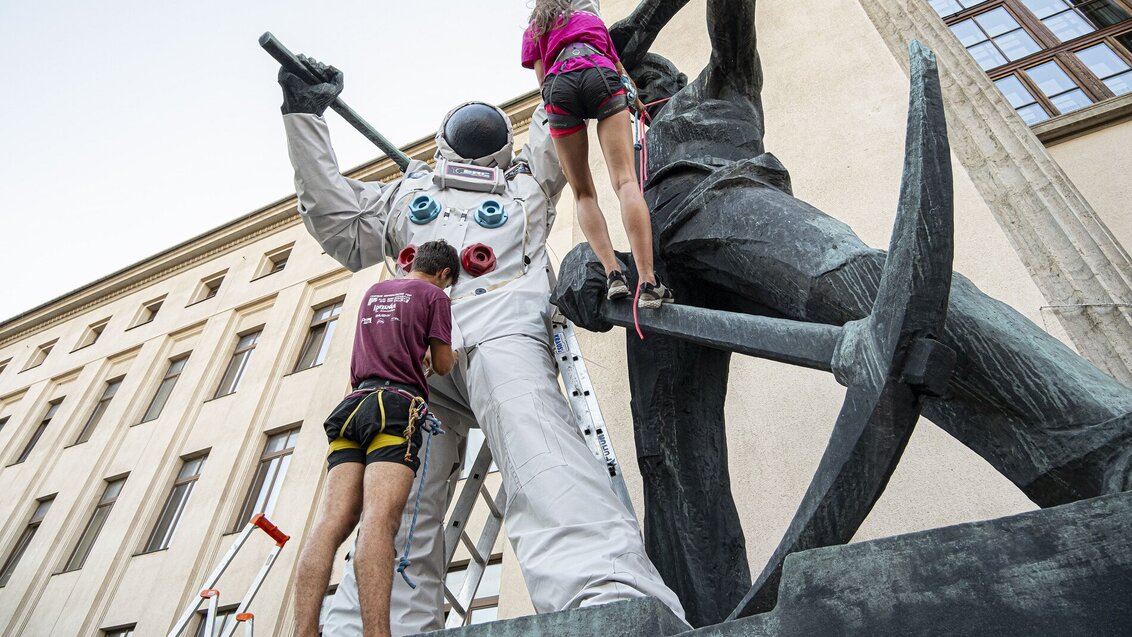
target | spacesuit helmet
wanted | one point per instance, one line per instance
(476, 133)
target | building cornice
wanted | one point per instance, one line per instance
(267, 220)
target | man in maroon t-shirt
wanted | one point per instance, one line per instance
(375, 433)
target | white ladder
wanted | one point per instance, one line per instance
(587, 415)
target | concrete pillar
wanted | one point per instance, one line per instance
(1083, 272)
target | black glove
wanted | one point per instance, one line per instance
(300, 97)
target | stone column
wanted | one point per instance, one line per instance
(1080, 268)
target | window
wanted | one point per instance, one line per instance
(269, 476)
(1048, 57)
(318, 339)
(40, 355)
(99, 409)
(209, 287)
(165, 388)
(225, 617)
(52, 407)
(25, 538)
(238, 364)
(472, 443)
(485, 607)
(94, 525)
(162, 532)
(3, 421)
(274, 261)
(120, 631)
(4, 364)
(149, 311)
(92, 333)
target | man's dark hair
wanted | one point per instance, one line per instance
(434, 256)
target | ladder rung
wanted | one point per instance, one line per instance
(492, 503)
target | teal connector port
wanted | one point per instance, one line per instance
(423, 209)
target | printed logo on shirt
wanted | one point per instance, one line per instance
(384, 306)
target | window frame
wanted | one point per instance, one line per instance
(259, 484)
(169, 375)
(325, 337)
(48, 416)
(208, 288)
(1063, 53)
(96, 523)
(99, 410)
(148, 311)
(175, 521)
(40, 355)
(125, 630)
(23, 541)
(242, 354)
(91, 334)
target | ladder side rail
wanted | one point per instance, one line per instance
(213, 578)
(210, 618)
(583, 403)
(481, 558)
(254, 588)
(465, 502)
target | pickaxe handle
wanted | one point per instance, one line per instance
(284, 57)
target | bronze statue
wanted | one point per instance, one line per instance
(730, 236)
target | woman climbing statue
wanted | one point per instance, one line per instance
(580, 76)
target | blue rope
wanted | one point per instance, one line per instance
(432, 426)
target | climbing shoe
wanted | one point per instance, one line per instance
(617, 288)
(653, 296)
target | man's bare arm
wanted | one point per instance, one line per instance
(443, 359)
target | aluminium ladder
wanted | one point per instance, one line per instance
(587, 415)
(242, 616)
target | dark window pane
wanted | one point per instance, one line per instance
(94, 526)
(86, 542)
(31, 443)
(1102, 13)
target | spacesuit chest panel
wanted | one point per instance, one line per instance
(500, 238)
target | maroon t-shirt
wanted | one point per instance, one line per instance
(395, 323)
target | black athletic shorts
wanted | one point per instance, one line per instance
(373, 426)
(575, 96)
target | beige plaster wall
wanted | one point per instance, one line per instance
(1100, 164)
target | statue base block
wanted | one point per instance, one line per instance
(1065, 570)
(644, 617)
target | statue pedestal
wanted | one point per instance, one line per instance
(634, 618)
(1061, 571)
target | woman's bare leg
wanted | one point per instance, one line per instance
(573, 154)
(615, 133)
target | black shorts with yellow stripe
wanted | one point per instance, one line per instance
(373, 427)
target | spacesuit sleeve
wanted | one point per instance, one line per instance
(540, 156)
(345, 216)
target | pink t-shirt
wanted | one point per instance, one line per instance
(582, 26)
(395, 323)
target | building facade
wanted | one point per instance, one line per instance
(146, 416)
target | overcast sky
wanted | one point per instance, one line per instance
(128, 126)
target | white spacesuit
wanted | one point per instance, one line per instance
(576, 543)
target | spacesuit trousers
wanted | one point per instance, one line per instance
(576, 544)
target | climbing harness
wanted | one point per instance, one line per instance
(430, 424)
